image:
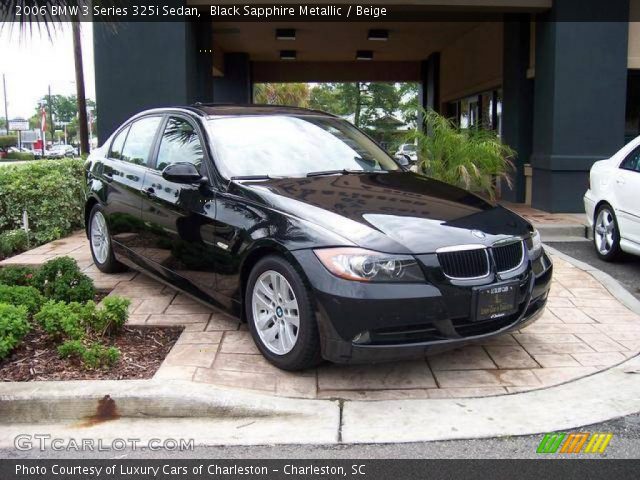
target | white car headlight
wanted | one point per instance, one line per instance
(369, 266)
(534, 244)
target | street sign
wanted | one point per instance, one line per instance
(18, 124)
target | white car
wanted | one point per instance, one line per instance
(612, 203)
(410, 150)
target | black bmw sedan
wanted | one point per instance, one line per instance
(300, 224)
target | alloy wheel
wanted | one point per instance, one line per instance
(275, 312)
(604, 231)
(100, 242)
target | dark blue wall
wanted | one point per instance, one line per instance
(236, 84)
(146, 65)
(517, 101)
(580, 96)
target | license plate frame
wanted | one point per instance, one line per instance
(496, 301)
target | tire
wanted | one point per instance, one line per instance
(102, 249)
(606, 234)
(271, 316)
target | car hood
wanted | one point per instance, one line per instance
(391, 212)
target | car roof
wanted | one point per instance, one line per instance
(215, 110)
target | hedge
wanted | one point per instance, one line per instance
(19, 156)
(52, 192)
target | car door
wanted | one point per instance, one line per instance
(628, 195)
(178, 217)
(123, 172)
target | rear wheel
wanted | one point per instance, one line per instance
(280, 315)
(606, 235)
(100, 242)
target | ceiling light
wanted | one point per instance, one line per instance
(285, 33)
(287, 54)
(364, 55)
(379, 35)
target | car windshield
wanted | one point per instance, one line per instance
(409, 148)
(293, 146)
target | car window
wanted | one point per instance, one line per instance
(293, 146)
(117, 144)
(632, 162)
(180, 143)
(138, 143)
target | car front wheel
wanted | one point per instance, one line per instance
(606, 235)
(280, 315)
(100, 242)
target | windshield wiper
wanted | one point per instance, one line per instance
(251, 177)
(344, 171)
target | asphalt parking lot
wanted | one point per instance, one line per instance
(626, 270)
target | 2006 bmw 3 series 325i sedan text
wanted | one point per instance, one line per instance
(300, 224)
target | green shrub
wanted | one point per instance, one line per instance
(12, 242)
(13, 327)
(93, 357)
(17, 275)
(71, 348)
(7, 141)
(16, 296)
(65, 320)
(52, 192)
(471, 158)
(111, 316)
(99, 356)
(61, 279)
(20, 156)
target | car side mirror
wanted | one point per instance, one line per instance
(183, 173)
(403, 160)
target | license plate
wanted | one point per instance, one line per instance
(496, 301)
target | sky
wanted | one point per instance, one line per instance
(32, 62)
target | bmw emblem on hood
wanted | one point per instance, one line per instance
(478, 234)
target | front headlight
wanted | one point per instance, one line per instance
(369, 266)
(534, 244)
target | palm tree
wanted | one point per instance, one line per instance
(472, 158)
(44, 19)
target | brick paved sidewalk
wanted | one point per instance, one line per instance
(583, 330)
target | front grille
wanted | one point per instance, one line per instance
(465, 263)
(508, 257)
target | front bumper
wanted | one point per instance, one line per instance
(367, 323)
(589, 208)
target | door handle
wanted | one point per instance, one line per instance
(620, 181)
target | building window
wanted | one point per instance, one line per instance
(481, 110)
(632, 118)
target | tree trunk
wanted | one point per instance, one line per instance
(82, 101)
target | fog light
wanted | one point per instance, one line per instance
(362, 338)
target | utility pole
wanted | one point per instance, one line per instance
(80, 93)
(6, 109)
(51, 129)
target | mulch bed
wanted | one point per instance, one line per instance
(142, 350)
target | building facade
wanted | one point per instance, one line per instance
(562, 90)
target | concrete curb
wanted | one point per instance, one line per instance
(169, 409)
(588, 400)
(560, 232)
(46, 402)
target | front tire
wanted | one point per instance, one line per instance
(100, 243)
(280, 315)
(606, 235)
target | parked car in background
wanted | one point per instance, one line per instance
(300, 224)
(61, 151)
(612, 203)
(408, 150)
